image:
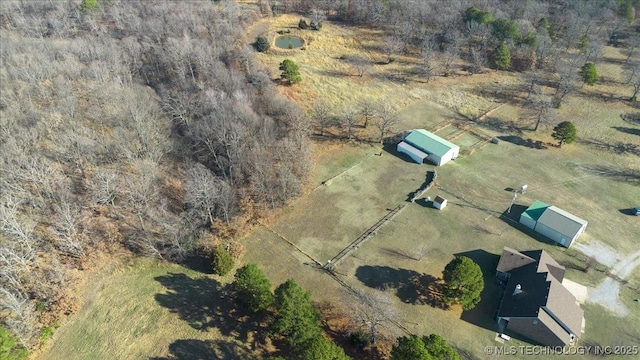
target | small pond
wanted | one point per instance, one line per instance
(289, 42)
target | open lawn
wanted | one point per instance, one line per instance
(153, 310)
(329, 218)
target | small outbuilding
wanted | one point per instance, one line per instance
(439, 203)
(553, 222)
(420, 144)
(636, 211)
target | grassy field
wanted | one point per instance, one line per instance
(153, 310)
(596, 179)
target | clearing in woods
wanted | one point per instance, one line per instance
(596, 179)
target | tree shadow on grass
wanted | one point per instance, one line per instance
(198, 262)
(615, 173)
(410, 286)
(518, 140)
(618, 148)
(628, 130)
(193, 349)
(483, 315)
(499, 125)
(204, 304)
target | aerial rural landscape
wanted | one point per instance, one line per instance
(319, 179)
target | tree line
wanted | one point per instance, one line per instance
(135, 124)
(558, 44)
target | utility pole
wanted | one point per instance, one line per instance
(515, 195)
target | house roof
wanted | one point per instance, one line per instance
(562, 304)
(534, 211)
(512, 259)
(541, 294)
(439, 200)
(429, 142)
(562, 221)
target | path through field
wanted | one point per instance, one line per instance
(608, 292)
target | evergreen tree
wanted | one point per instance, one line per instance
(438, 347)
(505, 29)
(319, 348)
(222, 261)
(480, 16)
(290, 72)
(262, 44)
(252, 288)
(565, 133)
(410, 348)
(463, 282)
(589, 73)
(502, 57)
(295, 317)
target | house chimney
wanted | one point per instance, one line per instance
(517, 290)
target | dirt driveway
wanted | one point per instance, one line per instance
(608, 292)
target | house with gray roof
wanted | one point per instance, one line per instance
(420, 144)
(553, 222)
(535, 304)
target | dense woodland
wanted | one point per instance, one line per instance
(150, 127)
(136, 125)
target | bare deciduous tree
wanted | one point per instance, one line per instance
(385, 120)
(632, 74)
(321, 115)
(68, 227)
(367, 110)
(376, 313)
(349, 120)
(428, 66)
(360, 64)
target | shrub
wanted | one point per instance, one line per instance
(262, 44)
(222, 261)
(89, 5)
(360, 338)
(302, 24)
(9, 347)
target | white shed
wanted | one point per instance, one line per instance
(420, 144)
(439, 203)
(554, 223)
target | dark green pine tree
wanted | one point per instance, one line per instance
(296, 319)
(502, 57)
(252, 289)
(463, 282)
(565, 133)
(589, 73)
